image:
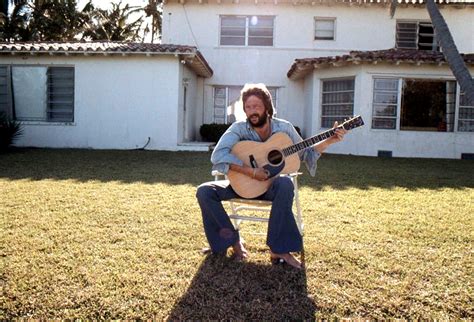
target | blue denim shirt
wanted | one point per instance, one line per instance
(222, 157)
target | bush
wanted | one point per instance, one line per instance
(213, 132)
(9, 131)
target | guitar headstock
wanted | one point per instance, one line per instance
(354, 122)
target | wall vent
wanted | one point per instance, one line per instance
(384, 154)
(467, 156)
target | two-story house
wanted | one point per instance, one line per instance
(328, 60)
(323, 60)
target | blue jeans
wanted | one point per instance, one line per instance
(283, 235)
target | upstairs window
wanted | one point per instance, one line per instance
(246, 31)
(416, 35)
(324, 28)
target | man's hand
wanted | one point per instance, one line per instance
(260, 174)
(340, 132)
(339, 136)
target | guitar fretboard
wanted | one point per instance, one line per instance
(295, 148)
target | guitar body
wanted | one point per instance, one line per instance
(266, 155)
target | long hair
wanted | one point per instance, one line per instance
(260, 91)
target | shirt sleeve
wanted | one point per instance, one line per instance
(222, 157)
(309, 156)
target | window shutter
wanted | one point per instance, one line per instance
(60, 94)
(407, 35)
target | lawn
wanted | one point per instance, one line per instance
(117, 234)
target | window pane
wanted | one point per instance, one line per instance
(384, 103)
(386, 84)
(30, 92)
(232, 31)
(324, 29)
(4, 106)
(337, 101)
(385, 110)
(260, 31)
(61, 94)
(424, 105)
(466, 115)
(384, 123)
(387, 98)
(260, 41)
(233, 41)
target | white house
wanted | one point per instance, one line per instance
(322, 60)
(299, 49)
(102, 95)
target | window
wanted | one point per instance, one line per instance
(38, 93)
(419, 105)
(227, 105)
(246, 31)
(324, 28)
(337, 101)
(416, 35)
(385, 102)
(466, 115)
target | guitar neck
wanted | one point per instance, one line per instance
(305, 144)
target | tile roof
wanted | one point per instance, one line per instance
(455, 3)
(189, 54)
(302, 67)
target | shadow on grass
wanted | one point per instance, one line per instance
(336, 171)
(224, 289)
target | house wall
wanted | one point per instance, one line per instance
(120, 102)
(357, 28)
(402, 143)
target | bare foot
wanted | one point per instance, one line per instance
(240, 253)
(288, 258)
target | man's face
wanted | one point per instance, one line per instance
(255, 111)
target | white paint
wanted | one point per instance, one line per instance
(119, 103)
(367, 27)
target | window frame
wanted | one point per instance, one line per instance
(247, 36)
(333, 19)
(399, 102)
(48, 119)
(349, 77)
(417, 43)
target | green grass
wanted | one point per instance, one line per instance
(117, 234)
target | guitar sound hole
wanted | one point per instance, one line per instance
(275, 157)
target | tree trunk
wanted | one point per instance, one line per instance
(450, 51)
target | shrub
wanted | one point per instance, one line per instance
(213, 132)
(9, 131)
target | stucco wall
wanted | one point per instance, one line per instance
(119, 103)
(357, 28)
(402, 143)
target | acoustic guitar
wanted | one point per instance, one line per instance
(278, 155)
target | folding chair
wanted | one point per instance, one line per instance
(238, 205)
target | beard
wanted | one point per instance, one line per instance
(262, 119)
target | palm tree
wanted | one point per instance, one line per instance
(155, 10)
(113, 25)
(451, 54)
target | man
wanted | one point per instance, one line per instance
(283, 236)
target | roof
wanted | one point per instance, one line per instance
(302, 67)
(188, 55)
(330, 2)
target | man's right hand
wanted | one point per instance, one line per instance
(260, 174)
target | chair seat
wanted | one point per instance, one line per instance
(241, 204)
